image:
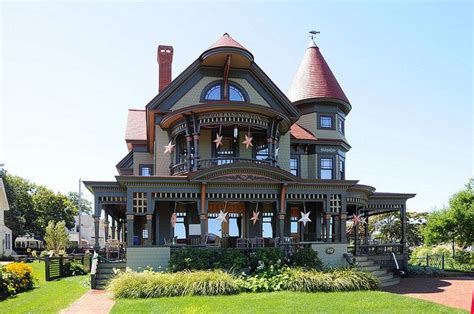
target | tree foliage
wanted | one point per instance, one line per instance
(86, 205)
(56, 237)
(33, 206)
(388, 227)
(454, 224)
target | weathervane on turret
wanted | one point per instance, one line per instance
(313, 34)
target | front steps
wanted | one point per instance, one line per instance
(105, 272)
(386, 277)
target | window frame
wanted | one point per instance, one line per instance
(298, 164)
(234, 143)
(341, 125)
(326, 115)
(320, 168)
(221, 84)
(342, 168)
(142, 166)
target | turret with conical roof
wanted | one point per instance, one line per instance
(315, 82)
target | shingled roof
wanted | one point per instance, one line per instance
(299, 133)
(314, 78)
(227, 41)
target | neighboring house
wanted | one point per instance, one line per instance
(6, 248)
(221, 140)
(87, 232)
(23, 243)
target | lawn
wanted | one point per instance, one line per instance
(49, 296)
(285, 302)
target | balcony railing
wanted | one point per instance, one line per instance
(213, 162)
(379, 249)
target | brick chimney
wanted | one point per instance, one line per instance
(165, 59)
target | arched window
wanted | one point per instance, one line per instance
(214, 93)
(235, 94)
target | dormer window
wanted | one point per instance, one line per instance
(216, 92)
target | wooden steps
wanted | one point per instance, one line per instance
(105, 272)
(386, 277)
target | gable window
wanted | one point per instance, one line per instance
(325, 122)
(294, 166)
(340, 125)
(146, 170)
(326, 169)
(235, 94)
(341, 168)
(217, 92)
(214, 93)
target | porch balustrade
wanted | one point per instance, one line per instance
(379, 249)
(212, 162)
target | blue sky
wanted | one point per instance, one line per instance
(69, 72)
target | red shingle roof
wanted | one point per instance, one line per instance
(136, 125)
(227, 41)
(300, 133)
(314, 78)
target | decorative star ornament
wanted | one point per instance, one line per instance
(255, 218)
(218, 140)
(222, 217)
(173, 220)
(248, 141)
(304, 218)
(169, 148)
(358, 220)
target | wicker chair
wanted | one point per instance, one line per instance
(258, 243)
(112, 247)
(242, 243)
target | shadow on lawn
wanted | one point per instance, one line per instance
(423, 285)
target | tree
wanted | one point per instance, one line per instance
(388, 227)
(454, 224)
(56, 237)
(86, 205)
(50, 206)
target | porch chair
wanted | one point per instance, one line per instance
(242, 243)
(112, 247)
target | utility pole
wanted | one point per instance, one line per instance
(79, 215)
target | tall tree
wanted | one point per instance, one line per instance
(388, 227)
(86, 205)
(56, 237)
(454, 224)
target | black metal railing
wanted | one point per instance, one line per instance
(379, 249)
(213, 162)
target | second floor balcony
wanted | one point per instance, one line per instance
(182, 168)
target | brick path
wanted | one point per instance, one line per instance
(94, 301)
(451, 291)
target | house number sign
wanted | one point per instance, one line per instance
(330, 250)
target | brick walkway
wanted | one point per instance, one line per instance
(94, 301)
(454, 292)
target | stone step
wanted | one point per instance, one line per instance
(365, 263)
(369, 268)
(392, 282)
(380, 272)
(387, 277)
(360, 258)
(104, 276)
(112, 265)
(108, 270)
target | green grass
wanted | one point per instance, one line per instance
(49, 296)
(285, 302)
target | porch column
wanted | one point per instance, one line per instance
(106, 227)
(149, 225)
(189, 139)
(203, 211)
(96, 232)
(336, 228)
(113, 229)
(119, 231)
(343, 228)
(327, 218)
(366, 230)
(282, 211)
(270, 149)
(403, 220)
(196, 151)
(130, 230)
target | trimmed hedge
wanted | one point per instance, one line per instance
(153, 285)
(204, 259)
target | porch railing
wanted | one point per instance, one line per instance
(212, 162)
(379, 249)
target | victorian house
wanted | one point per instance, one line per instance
(221, 156)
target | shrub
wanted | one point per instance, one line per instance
(424, 271)
(16, 278)
(153, 285)
(343, 279)
(307, 258)
(268, 280)
(263, 259)
(202, 259)
(72, 268)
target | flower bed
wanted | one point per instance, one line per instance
(16, 278)
(150, 284)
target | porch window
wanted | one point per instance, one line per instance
(228, 148)
(267, 225)
(326, 168)
(294, 166)
(180, 228)
(213, 225)
(261, 147)
(235, 225)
